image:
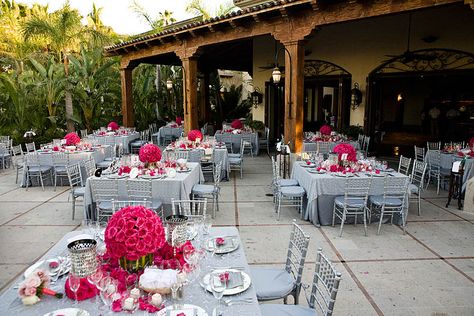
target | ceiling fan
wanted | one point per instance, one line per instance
(408, 55)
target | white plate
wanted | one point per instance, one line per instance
(345, 175)
(209, 244)
(236, 290)
(315, 171)
(183, 170)
(147, 176)
(304, 165)
(116, 176)
(33, 268)
(68, 312)
(199, 311)
(373, 174)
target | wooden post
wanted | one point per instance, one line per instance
(127, 97)
(294, 80)
(190, 93)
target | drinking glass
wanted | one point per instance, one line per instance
(384, 165)
(108, 288)
(218, 287)
(189, 254)
(74, 284)
(94, 279)
(207, 225)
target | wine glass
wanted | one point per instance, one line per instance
(108, 288)
(207, 225)
(217, 287)
(384, 165)
(189, 254)
(94, 279)
(74, 284)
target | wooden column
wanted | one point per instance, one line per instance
(294, 80)
(127, 97)
(190, 93)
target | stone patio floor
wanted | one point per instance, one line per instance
(428, 271)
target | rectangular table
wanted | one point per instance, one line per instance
(194, 294)
(178, 188)
(46, 159)
(236, 138)
(123, 140)
(313, 146)
(321, 190)
(158, 137)
(446, 162)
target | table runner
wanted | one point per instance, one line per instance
(10, 304)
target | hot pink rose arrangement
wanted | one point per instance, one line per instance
(72, 139)
(346, 149)
(86, 290)
(237, 124)
(471, 142)
(149, 153)
(179, 120)
(113, 126)
(325, 130)
(194, 134)
(133, 232)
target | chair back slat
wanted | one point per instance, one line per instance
(119, 204)
(74, 175)
(196, 207)
(404, 165)
(297, 251)
(433, 145)
(138, 189)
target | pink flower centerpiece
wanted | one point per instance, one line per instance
(72, 139)
(179, 120)
(194, 134)
(325, 130)
(341, 149)
(113, 126)
(149, 153)
(236, 124)
(132, 236)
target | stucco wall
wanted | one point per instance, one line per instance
(361, 46)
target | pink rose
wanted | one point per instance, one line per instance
(377, 171)
(29, 291)
(117, 306)
(33, 281)
(333, 168)
(120, 236)
(220, 241)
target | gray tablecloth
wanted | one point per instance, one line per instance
(321, 189)
(447, 163)
(236, 138)
(178, 188)
(313, 146)
(123, 140)
(10, 304)
(46, 159)
(158, 137)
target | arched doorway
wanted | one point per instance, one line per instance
(402, 92)
(326, 94)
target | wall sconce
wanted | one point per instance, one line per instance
(169, 84)
(257, 98)
(356, 96)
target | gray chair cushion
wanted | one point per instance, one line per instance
(79, 191)
(105, 205)
(271, 283)
(353, 202)
(287, 182)
(234, 155)
(39, 168)
(286, 310)
(293, 191)
(413, 188)
(235, 161)
(104, 164)
(379, 200)
(60, 169)
(203, 189)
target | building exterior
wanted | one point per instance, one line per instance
(405, 56)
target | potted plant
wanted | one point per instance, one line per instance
(258, 126)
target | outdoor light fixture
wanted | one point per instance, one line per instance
(169, 84)
(356, 96)
(399, 97)
(276, 75)
(257, 98)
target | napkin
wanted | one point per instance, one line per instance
(156, 278)
(235, 279)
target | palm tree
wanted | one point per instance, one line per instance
(197, 8)
(63, 31)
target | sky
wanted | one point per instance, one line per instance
(120, 16)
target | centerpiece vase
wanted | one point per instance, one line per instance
(136, 265)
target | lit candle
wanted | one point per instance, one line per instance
(156, 299)
(135, 293)
(128, 304)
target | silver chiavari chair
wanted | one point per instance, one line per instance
(417, 181)
(433, 145)
(210, 190)
(419, 153)
(139, 190)
(404, 165)
(75, 182)
(104, 191)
